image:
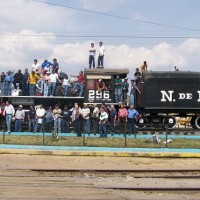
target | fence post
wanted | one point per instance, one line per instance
(166, 139)
(4, 124)
(84, 143)
(125, 138)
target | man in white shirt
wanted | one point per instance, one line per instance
(52, 82)
(19, 118)
(95, 115)
(101, 55)
(9, 112)
(86, 118)
(35, 66)
(92, 53)
(40, 114)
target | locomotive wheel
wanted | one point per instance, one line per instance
(197, 122)
(141, 123)
(169, 122)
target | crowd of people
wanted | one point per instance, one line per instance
(46, 77)
(97, 119)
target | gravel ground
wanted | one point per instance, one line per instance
(17, 181)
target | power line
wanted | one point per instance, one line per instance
(117, 16)
(98, 36)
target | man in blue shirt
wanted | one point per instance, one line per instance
(46, 65)
(132, 117)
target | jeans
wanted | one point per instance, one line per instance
(46, 88)
(52, 87)
(122, 124)
(8, 122)
(77, 128)
(57, 125)
(132, 99)
(31, 125)
(112, 125)
(91, 61)
(39, 126)
(131, 125)
(18, 125)
(81, 85)
(65, 88)
(100, 61)
(124, 98)
(8, 91)
(32, 89)
(96, 124)
(65, 125)
(102, 129)
(86, 124)
(41, 84)
(25, 89)
(118, 92)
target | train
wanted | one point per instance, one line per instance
(161, 96)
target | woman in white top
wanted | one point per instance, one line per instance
(52, 82)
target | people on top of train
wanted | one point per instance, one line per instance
(92, 52)
(32, 80)
(46, 66)
(65, 85)
(143, 67)
(101, 85)
(25, 86)
(137, 75)
(18, 78)
(79, 83)
(8, 84)
(36, 66)
(118, 88)
(133, 89)
(53, 78)
(101, 55)
(55, 65)
(125, 88)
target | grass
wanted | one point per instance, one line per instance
(98, 142)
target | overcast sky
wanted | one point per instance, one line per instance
(30, 29)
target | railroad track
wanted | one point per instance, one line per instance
(59, 182)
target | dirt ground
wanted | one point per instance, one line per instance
(17, 181)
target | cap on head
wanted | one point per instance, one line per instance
(20, 106)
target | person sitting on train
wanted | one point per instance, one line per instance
(80, 83)
(143, 67)
(101, 85)
(125, 87)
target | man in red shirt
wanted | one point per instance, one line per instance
(80, 83)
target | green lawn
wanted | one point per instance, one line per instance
(98, 142)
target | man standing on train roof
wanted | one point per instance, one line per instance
(46, 66)
(80, 83)
(118, 88)
(143, 67)
(55, 65)
(101, 55)
(92, 53)
(35, 66)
